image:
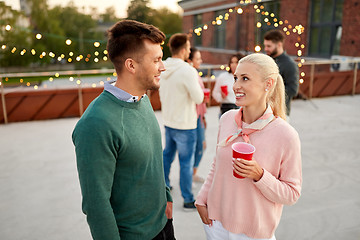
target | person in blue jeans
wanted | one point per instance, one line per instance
(195, 60)
(179, 92)
(184, 142)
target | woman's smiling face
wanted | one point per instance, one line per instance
(249, 85)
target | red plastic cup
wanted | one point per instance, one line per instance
(206, 93)
(224, 89)
(242, 150)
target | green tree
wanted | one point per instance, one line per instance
(42, 21)
(109, 16)
(14, 41)
(167, 21)
(139, 10)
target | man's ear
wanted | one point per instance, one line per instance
(130, 65)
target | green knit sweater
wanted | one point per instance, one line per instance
(119, 160)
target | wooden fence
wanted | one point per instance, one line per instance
(27, 104)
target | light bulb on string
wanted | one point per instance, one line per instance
(38, 36)
(8, 27)
(68, 42)
(257, 48)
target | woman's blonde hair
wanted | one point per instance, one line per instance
(268, 68)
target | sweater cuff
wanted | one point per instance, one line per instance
(168, 195)
(265, 180)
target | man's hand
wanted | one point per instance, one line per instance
(168, 210)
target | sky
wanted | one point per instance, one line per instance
(120, 5)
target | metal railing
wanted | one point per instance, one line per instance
(77, 73)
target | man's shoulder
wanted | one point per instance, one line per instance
(285, 58)
(285, 62)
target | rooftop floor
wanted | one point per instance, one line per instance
(40, 194)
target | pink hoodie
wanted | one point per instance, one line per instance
(245, 206)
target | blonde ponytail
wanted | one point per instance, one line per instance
(268, 68)
(276, 98)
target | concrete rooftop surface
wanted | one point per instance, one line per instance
(40, 195)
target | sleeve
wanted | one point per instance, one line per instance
(291, 79)
(216, 93)
(287, 188)
(168, 195)
(96, 160)
(193, 86)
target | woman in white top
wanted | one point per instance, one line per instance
(226, 100)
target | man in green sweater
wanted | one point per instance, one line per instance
(118, 143)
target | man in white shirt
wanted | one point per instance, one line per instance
(180, 91)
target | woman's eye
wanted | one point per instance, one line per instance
(235, 78)
(245, 78)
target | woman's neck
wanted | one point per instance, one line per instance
(252, 113)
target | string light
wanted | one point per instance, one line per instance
(8, 27)
(68, 42)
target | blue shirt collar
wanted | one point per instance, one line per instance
(119, 93)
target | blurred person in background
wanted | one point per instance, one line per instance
(195, 60)
(179, 92)
(222, 91)
(274, 47)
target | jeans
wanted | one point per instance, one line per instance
(184, 142)
(199, 149)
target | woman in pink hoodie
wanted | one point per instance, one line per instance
(251, 207)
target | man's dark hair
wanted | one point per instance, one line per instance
(126, 40)
(177, 42)
(193, 50)
(275, 36)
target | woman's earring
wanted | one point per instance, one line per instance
(266, 89)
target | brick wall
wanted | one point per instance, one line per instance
(295, 12)
(350, 39)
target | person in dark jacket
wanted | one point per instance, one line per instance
(274, 47)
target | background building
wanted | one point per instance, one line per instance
(330, 27)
